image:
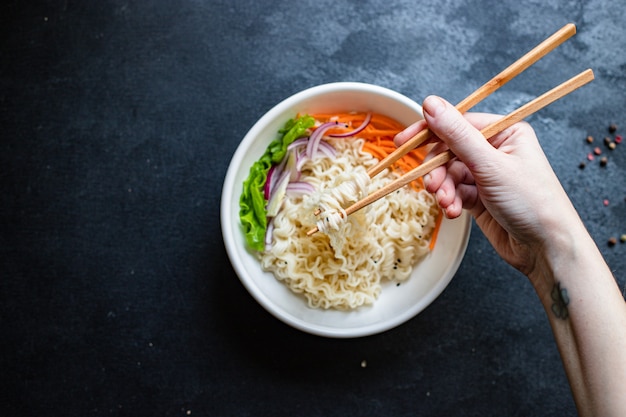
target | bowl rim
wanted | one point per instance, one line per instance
(227, 219)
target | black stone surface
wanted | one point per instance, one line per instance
(118, 120)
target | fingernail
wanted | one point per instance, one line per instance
(433, 105)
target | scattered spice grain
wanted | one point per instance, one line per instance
(603, 161)
(612, 128)
(618, 138)
(597, 151)
(589, 139)
(612, 241)
(622, 238)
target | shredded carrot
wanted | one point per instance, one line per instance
(378, 136)
(433, 238)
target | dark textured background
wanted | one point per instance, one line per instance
(117, 122)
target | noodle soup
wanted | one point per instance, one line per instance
(344, 267)
(395, 303)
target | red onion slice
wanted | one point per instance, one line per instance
(301, 158)
(277, 194)
(355, 131)
(316, 137)
(299, 188)
(268, 182)
(269, 232)
(326, 149)
(298, 143)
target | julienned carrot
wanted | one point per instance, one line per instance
(354, 119)
(433, 238)
(404, 164)
(378, 136)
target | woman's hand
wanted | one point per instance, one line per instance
(506, 183)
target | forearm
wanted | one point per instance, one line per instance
(588, 316)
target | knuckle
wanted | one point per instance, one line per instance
(457, 129)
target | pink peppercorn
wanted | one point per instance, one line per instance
(605, 202)
(618, 139)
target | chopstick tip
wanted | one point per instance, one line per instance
(568, 30)
(312, 231)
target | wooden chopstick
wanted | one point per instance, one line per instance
(501, 124)
(482, 92)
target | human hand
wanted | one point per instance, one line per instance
(506, 183)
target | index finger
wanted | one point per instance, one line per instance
(478, 120)
(409, 132)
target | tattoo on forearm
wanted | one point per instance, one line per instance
(560, 301)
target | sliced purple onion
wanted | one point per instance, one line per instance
(355, 131)
(297, 143)
(300, 188)
(269, 232)
(326, 149)
(316, 137)
(277, 194)
(290, 166)
(301, 159)
(268, 182)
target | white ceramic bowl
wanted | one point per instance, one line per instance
(396, 304)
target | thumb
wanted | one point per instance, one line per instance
(449, 125)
